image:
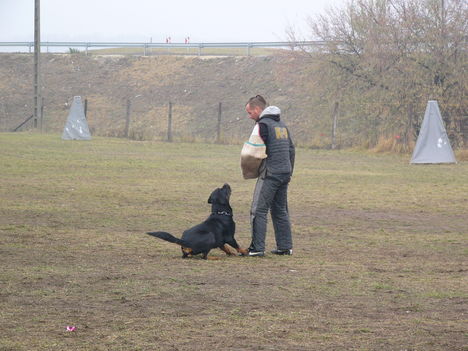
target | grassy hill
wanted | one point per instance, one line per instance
(194, 85)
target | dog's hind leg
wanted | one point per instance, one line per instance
(186, 252)
(211, 258)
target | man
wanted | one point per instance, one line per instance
(272, 185)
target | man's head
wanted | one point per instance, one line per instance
(255, 107)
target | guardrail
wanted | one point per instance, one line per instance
(145, 46)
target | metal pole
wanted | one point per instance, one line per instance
(86, 108)
(169, 123)
(442, 21)
(127, 119)
(335, 121)
(37, 53)
(218, 129)
(442, 11)
(42, 114)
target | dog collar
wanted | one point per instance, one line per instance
(223, 213)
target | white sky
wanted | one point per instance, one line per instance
(145, 20)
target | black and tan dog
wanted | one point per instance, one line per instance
(216, 231)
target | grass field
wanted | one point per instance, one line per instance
(380, 249)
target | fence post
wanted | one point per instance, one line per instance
(3, 116)
(335, 121)
(218, 129)
(127, 119)
(409, 125)
(169, 123)
(86, 108)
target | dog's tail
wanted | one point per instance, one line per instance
(168, 237)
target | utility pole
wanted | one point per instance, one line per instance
(37, 63)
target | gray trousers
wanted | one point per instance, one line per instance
(271, 194)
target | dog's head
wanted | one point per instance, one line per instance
(220, 195)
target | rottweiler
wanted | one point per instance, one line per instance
(216, 231)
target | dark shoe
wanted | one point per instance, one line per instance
(256, 253)
(282, 252)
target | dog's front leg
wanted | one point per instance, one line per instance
(240, 250)
(227, 250)
(243, 252)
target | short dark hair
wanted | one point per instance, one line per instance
(257, 100)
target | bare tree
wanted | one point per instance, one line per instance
(386, 58)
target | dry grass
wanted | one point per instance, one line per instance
(189, 51)
(392, 144)
(379, 264)
(461, 155)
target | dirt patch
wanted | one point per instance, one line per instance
(365, 275)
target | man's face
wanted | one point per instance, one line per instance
(254, 112)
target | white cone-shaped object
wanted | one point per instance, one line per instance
(76, 127)
(433, 144)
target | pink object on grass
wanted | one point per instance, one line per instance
(71, 328)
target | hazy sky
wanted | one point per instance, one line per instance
(143, 20)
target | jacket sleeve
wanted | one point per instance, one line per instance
(263, 132)
(292, 153)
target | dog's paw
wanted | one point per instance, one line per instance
(243, 252)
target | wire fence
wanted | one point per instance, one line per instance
(129, 118)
